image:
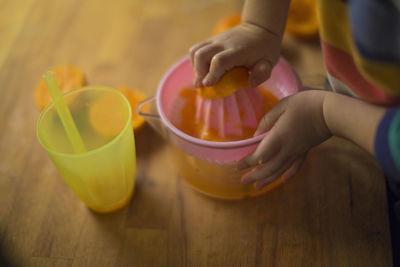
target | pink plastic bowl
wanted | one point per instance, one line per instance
(283, 82)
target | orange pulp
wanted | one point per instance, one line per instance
(189, 126)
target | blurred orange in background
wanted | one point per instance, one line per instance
(302, 21)
(226, 23)
(71, 77)
(134, 96)
(68, 77)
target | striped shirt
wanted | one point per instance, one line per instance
(360, 41)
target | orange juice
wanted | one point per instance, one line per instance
(213, 179)
(218, 180)
(188, 125)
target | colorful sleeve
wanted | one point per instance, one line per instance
(376, 35)
(387, 148)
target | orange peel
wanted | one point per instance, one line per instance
(233, 80)
(134, 96)
(68, 77)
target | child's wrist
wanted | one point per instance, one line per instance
(269, 14)
(352, 119)
(266, 29)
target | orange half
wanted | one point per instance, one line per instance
(68, 77)
(233, 80)
(134, 96)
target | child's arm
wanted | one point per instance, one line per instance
(255, 44)
(268, 14)
(352, 119)
(299, 122)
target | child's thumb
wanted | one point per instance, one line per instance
(270, 118)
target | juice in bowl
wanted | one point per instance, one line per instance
(207, 140)
(220, 180)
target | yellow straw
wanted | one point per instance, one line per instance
(64, 113)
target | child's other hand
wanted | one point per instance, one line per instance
(245, 45)
(295, 125)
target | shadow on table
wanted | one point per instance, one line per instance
(139, 234)
(147, 140)
(4, 261)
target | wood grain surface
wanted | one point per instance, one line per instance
(332, 213)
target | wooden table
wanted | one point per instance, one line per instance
(332, 213)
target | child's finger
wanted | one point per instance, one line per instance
(220, 63)
(202, 59)
(268, 169)
(267, 180)
(294, 168)
(196, 47)
(269, 147)
(270, 118)
(261, 184)
(287, 174)
(260, 72)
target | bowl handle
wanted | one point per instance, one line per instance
(148, 110)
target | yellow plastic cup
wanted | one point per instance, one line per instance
(103, 177)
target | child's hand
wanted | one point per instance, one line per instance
(245, 45)
(295, 125)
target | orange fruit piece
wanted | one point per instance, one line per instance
(106, 116)
(233, 80)
(134, 96)
(227, 23)
(68, 77)
(302, 20)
